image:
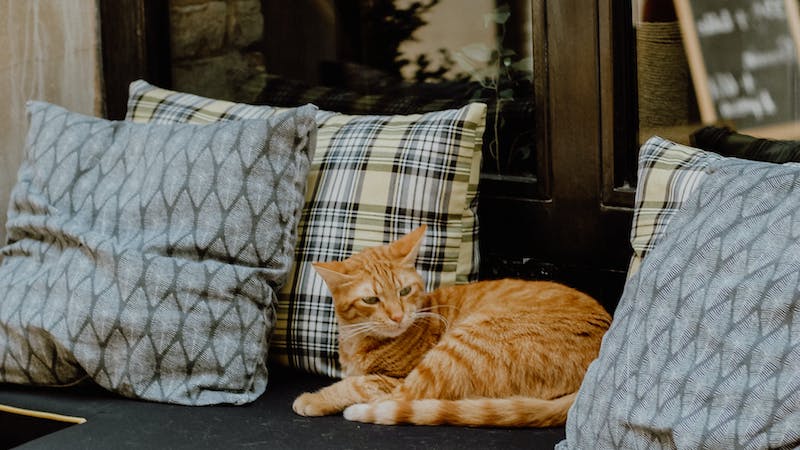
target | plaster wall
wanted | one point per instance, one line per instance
(50, 52)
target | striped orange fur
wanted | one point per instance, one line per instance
(504, 353)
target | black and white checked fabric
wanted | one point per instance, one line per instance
(379, 178)
(668, 174)
(148, 103)
(373, 179)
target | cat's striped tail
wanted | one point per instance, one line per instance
(488, 412)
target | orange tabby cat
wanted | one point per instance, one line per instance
(491, 353)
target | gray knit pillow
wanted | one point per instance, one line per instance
(704, 349)
(146, 257)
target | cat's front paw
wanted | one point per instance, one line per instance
(312, 405)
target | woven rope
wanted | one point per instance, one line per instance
(663, 75)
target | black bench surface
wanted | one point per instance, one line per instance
(114, 422)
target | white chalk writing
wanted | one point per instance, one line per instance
(723, 85)
(714, 23)
(782, 54)
(769, 10)
(758, 106)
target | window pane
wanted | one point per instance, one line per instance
(404, 57)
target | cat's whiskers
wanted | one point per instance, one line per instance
(359, 333)
(344, 336)
(432, 307)
(422, 313)
(356, 325)
(356, 329)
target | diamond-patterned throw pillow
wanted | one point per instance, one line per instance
(704, 348)
(668, 174)
(147, 257)
(373, 178)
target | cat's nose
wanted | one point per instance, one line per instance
(397, 317)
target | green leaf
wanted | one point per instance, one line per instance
(507, 94)
(477, 95)
(523, 65)
(462, 61)
(524, 151)
(487, 73)
(498, 16)
(478, 52)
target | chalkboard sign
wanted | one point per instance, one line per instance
(744, 56)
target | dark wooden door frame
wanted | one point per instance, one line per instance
(579, 232)
(135, 44)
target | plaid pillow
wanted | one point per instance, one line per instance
(668, 174)
(373, 179)
(148, 103)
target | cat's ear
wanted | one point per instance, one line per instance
(408, 245)
(333, 272)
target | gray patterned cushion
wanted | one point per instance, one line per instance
(704, 350)
(147, 257)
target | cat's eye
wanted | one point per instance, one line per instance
(405, 291)
(370, 300)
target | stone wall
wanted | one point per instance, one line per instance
(216, 50)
